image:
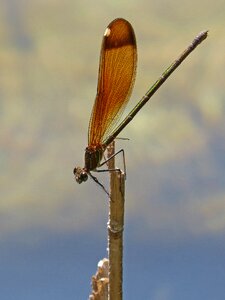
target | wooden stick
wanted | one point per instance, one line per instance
(115, 229)
(100, 281)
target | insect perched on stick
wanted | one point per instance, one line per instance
(117, 70)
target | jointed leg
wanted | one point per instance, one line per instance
(116, 169)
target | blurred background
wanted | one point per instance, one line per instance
(53, 231)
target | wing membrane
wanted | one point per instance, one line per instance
(117, 70)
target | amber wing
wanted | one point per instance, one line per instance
(117, 70)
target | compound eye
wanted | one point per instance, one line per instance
(83, 176)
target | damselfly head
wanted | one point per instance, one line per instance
(80, 174)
